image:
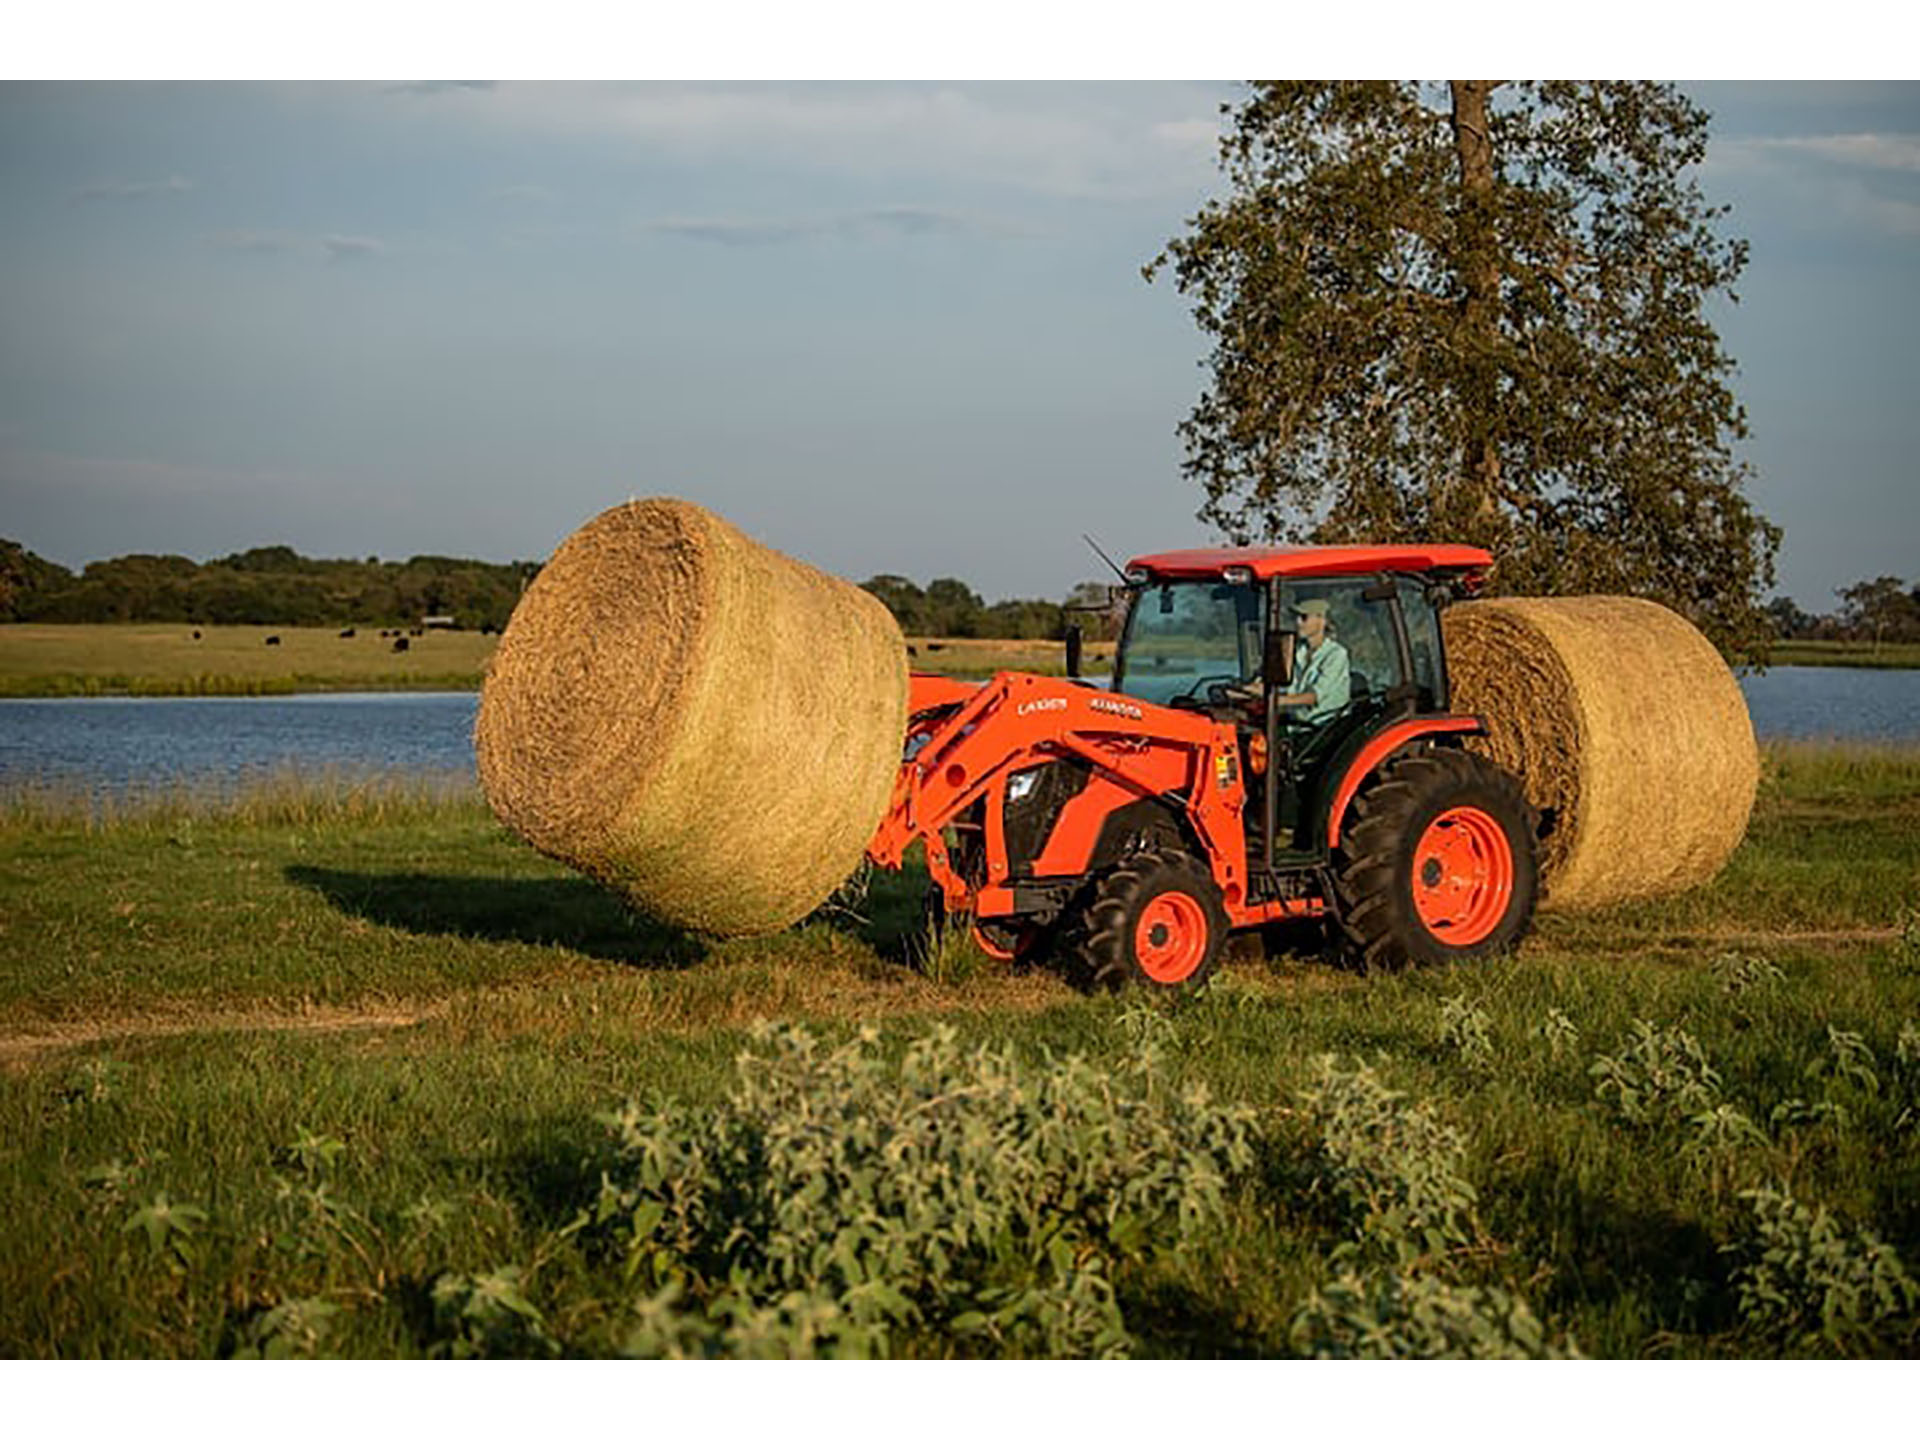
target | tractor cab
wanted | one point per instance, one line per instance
(1308, 651)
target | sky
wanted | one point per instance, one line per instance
(882, 326)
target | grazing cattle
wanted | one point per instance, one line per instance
(401, 644)
(419, 629)
(196, 634)
(932, 646)
(347, 634)
(912, 651)
(273, 639)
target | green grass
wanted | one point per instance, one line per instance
(367, 1034)
(83, 660)
(1863, 654)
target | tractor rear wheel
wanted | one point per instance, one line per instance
(1438, 862)
(1153, 920)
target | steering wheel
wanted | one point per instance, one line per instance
(1189, 699)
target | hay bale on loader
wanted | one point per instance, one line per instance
(1621, 717)
(695, 720)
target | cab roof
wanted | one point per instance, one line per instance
(1267, 562)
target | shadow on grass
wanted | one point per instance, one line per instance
(575, 914)
(890, 916)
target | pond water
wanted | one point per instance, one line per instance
(120, 745)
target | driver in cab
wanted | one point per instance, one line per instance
(1322, 681)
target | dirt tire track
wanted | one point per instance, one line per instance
(23, 1046)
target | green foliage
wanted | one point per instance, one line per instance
(1557, 1032)
(1394, 1166)
(1442, 313)
(26, 580)
(488, 1317)
(1661, 1076)
(1844, 1078)
(945, 952)
(271, 585)
(957, 1200)
(1741, 974)
(1467, 1030)
(1906, 951)
(1880, 609)
(950, 607)
(1389, 1316)
(292, 1330)
(1813, 1282)
(170, 1228)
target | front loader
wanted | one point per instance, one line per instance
(1131, 828)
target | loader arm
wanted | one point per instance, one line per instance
(964, 748)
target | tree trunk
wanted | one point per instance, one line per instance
(1479, 261)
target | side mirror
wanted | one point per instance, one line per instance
(1074, 641)
(1276, 663)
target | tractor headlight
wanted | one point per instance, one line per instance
(1021, 785)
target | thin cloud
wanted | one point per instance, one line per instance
(350, 247)
(132, 189)
(903, 220)
(287, 242)
(427, 89)
(907, 220)
(1895, 152)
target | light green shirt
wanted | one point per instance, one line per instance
(1327, 674)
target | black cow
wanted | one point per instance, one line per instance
(273, 639)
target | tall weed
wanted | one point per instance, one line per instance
(1814, 1283)
(956, 1201)
(1394, 1166)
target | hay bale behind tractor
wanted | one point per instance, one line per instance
(704, 724)
(1621, 717)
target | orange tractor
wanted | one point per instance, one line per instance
(1275, 746)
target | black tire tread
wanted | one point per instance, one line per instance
(1380, 828)
(1100, 936)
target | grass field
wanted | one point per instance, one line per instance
(1889, 656)
(328, 1073)
(55, 660)
(77, 660)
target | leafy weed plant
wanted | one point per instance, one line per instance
(1814, 1283)
(1393, 1165)
(954, 1202)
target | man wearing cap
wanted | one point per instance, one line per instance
(1322, 681)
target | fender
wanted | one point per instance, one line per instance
(1379, 748)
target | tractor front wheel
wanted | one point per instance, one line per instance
(1438, 862)
(1154, 920)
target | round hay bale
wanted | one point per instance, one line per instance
(1619, 716)
(704, 724)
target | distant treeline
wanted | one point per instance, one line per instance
(272, 585)
(275, 585)
(950, 607)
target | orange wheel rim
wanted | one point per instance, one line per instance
(1463, 876)
(1170, 940)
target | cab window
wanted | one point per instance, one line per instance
(1364, 627)
(1185, 634)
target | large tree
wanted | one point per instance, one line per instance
(1478, 312)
